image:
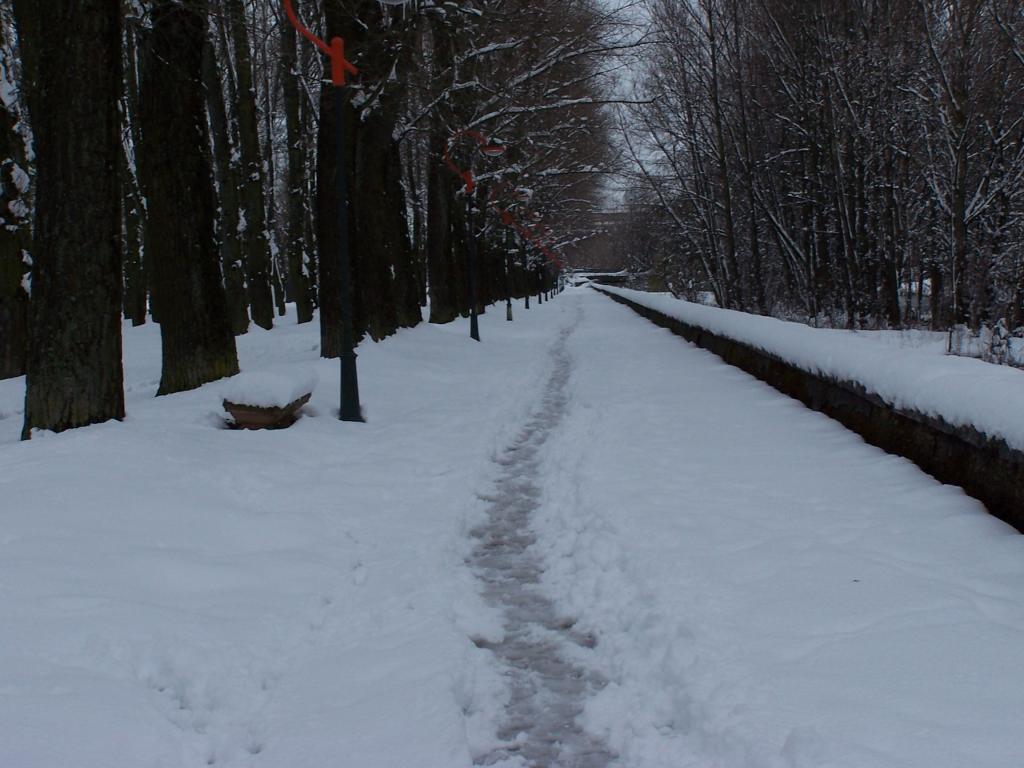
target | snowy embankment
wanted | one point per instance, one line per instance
(767, 590)
(960, 391)
(175, 595)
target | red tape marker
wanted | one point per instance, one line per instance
(340, 66)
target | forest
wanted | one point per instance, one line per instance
(177, 162)
(852, 163)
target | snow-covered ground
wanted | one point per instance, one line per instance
(742, 582)
(905, 370)
(176, 594)
(767, 589)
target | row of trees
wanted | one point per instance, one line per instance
(175, 160)
(857, 162)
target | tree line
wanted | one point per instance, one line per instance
(174, 161)
(851, 162)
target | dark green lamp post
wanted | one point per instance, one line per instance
(341, 67)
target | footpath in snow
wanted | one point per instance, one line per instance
(583, 542)
(546, 689)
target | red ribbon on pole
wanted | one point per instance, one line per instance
(489, 148)
(340, 66)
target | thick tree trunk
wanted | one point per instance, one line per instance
(388, 287)
(381, 263)
(411, 162)
(73, 54)
(328, 231)
(444, 225)
(377, 235)
(195, 330)
(255, 244)
(444, 304)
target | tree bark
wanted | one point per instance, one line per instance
(732, 277)
(74, 372)
(296, 247)
(328, 230)
(195, 330)
(15, 236)
(444, 304)
(445, 289)
(277, 279)
(228, 184)
(134, 212)
(255, 243)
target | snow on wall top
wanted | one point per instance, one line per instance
(963, 392)
(268, 389)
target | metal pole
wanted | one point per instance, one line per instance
(508, 275)
(474, 324)
(526, 275)
(340, 69)
(350, 409)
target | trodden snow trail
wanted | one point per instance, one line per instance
(547, 691)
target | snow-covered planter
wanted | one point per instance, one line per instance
(267, 400)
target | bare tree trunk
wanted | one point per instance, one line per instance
(255, 243)
(135, 288)
(732, 276)
(891, 235)
(277, 281)
(296, 247)
(958, 233)
(73, 58)
(227, 175)
(195, 330)
(444, 306)
(939, 321)
(328, 230)
(441, 187)
(15, 232)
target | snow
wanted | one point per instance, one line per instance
(173, 592)
(270, 389)
(767, 590)
(22, 183)
(961, 391)
(761, 588)
(8, 86)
